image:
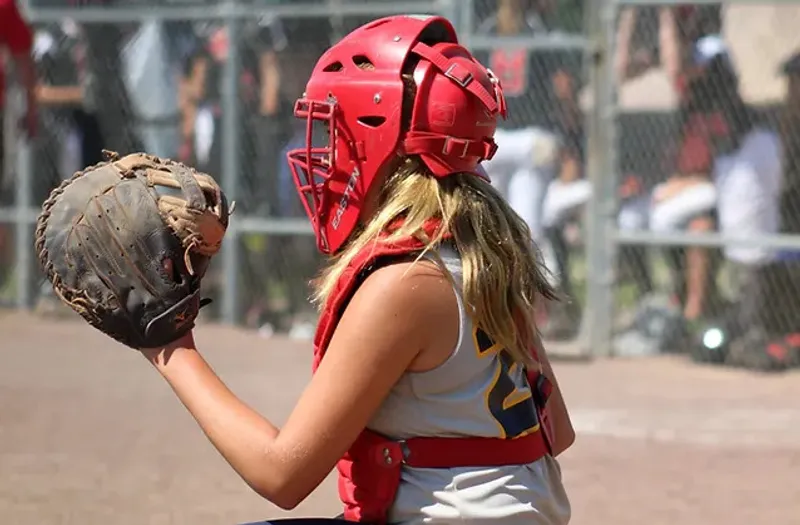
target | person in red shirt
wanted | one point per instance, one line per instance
(17, 37)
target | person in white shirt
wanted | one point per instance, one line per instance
(739, 191)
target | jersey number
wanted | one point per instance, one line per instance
(511, 406)
(511, 67)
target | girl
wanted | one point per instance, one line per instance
(431, 394)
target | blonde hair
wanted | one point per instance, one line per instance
(502, 274)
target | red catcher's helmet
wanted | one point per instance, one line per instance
(356, 89)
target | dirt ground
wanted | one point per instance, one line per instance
(89, 434)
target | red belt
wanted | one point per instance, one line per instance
(438, 452)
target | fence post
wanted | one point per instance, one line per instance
(24, 228)
(601, 166)
(23, 189)
(231, 151)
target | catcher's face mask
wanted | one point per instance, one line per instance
(357, 96)
(314, 165)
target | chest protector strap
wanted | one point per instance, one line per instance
(369, 473)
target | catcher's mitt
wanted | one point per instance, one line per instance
(126, 242)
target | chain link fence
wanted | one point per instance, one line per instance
(649, 147)
(210, 83)
(213, 83)
(707, 238)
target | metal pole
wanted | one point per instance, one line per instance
(789, 242)
(601, 168)
(24, 233)
(23, 200)
(125, 11)
(231, 150)
(10, 131)
(609, 189)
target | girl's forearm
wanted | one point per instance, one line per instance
(241, 435)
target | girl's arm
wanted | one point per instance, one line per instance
(387, 323)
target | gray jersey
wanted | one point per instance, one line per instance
(477, 392)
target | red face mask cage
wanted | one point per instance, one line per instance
(312, 166)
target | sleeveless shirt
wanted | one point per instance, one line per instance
(477, 392)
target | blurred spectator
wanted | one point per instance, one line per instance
(542, 137)
(105, 74)
(268, 43)
(289, 49)
(729, 172)
(152, 75)
(649, 37)
(782, 279)
(549, 15)
(285, 51)
(202, 104)
(540, 163)
(189, 89)
(71, 137)
(566, 195)
(646, 37)
(729, 177)
(511, 18)
(664, 37)
(272, 78)
(17, 39)
(277, 57)
(564, 15)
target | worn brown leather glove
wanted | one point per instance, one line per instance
(126, 242)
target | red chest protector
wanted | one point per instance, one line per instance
(369, 473)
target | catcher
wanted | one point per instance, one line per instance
(431, 392)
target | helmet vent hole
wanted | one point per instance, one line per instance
(372, 122)
(333, 67)
(363, 62)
